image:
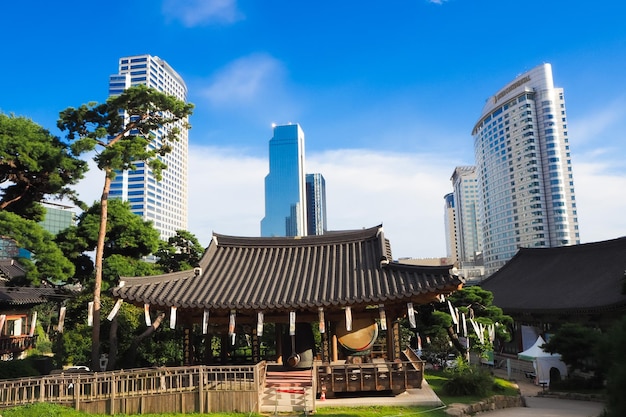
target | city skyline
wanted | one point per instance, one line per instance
(388, 97)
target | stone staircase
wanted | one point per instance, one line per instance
(288, 391)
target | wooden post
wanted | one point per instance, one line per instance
(279, 343)
(200, 390)
(77, 393)
(187, 356)
(335, 348)
(325, 348)
(256, 348)
(112, 391)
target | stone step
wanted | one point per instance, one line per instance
(285, 399)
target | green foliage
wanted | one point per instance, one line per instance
(181, 252)
(128, 239)
(33, 165)
(575, 343)
(42, 410)
(48, 262)
(465, 379)
(124, 141)
(18, 368)
(612, 354)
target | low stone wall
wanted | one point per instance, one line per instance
(573, 396)
(495, 402)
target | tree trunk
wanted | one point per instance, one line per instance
(95, 335)
(455, 340)
(132, 350)
(113, 344)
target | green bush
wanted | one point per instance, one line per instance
(465, 379)
(41, 410)
(18, 368)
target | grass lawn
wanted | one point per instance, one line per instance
(435, 379)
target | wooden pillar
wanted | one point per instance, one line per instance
(279, 343)
(325, 347)
(393, 337)
(224, 346)
(256, 347)
(187, 349)
(335, 348)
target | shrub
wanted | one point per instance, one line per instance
(18, 368)
(465, 379)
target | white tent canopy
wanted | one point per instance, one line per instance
(542, 361)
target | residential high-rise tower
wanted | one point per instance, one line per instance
(316, 204)
(285, 190)
(467, 224)
(164, 202)
(524, 168)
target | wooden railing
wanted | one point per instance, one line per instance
(13, 344)
(198, 389)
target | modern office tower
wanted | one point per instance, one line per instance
(449, 217)
(285, 191)
(468, 229)
(524, 169)
(316, 204)
(58, 217)
(164, 202)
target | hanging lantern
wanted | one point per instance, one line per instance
(320, 314)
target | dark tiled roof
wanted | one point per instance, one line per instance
(580, 278)
(11, 269)
(251, 273)
(21, 296)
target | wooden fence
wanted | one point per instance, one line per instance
(197, 389)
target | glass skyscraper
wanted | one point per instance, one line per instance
(524, 168)
(316, 204)
(285, 191)
(164, 202)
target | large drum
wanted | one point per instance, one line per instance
(362, 336)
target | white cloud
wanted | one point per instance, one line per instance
(198, 12)
(600, 201)
(599, 123)
(244, 81)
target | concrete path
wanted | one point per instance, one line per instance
(545, 407)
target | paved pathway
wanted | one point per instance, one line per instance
(546, 407)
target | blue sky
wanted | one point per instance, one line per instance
(387, 94)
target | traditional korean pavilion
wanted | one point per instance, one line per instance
(345, 282)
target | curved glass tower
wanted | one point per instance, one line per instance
(285, 190)
(524, 168)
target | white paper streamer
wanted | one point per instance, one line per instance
(292, 323)
(349, 318)
(231, 322)
(411, 314)
(146, 314)
(173, 317)
(3, 318)
(322, 325)
(90, 314)
(383, 317)
(259, 323)
(205, 321)
(116, 308)
(33, 323)
(464, 325)
(454, 319)
(61, 320)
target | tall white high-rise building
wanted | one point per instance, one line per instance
(316, 204)
(164, 202)
(524, 168)
(467, 223)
